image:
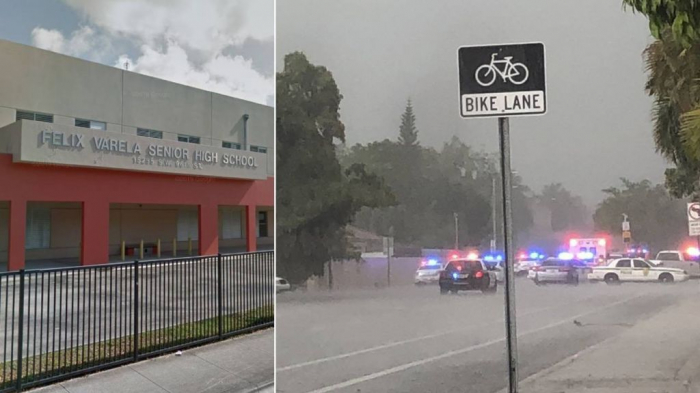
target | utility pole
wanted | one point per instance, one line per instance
(456, 231)
(493, 212)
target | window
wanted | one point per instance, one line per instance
(668, 256)
(38, 230)
(623, 263)
(149, 133)
(21, 115)
(472, 266)
(230, 223)
(188, 139)
(262, 224)
(258, 149)
(231, 145)
(640, 263)
(187, 225)
(92, 124)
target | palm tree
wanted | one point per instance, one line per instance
(673, 73)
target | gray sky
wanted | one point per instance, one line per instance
(226, 46)
(598, 125)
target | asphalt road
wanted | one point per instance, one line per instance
(413, 339)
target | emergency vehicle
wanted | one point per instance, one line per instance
(591, 250)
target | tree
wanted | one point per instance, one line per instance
(455, 179)
(672, 74)
(680, 17)
(567, 211)
(408, 133)
(316, 198)
(655, 217)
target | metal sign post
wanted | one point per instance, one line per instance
(511, 331)
(502, 81)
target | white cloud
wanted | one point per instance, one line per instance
(229, 75)
(84, 42)
(179, 40)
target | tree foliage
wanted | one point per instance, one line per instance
(316, 198)
(656, 218)
(673, 71)
(408, 133)
(430, 186)
(567, 211)
(680, 17)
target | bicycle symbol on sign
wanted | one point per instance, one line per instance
(517, 73)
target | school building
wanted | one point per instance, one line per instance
(96, 161)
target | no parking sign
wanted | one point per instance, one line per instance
(694, 219)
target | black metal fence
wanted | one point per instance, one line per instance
(60, 323)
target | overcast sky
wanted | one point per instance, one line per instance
(226, 46)
(598, 126)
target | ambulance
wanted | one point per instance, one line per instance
(590, 250)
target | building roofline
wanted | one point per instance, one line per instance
(30, 47)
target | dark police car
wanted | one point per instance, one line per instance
(467, 275)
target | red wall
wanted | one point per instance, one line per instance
(97, 188)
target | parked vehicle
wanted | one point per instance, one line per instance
(557, 270)
(687, 260)
(467, 275)
(282, 285)
(636, 269)
(428, 272)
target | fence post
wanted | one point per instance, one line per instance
(136, 309)
(174, 247)
(220, 295)
(141, 249)
(20, 334)
(158, 248)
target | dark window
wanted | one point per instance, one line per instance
(623, 263)
(21, 115)
(188, 139)
(469, 266)
(668, 256)
(231, 145)
(258, 149)
(149, 133)
(92, 124)
(262, 224)
(640, 263)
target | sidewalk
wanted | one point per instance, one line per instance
(243, 364)
(659, 355)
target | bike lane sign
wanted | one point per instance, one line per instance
(502, 80)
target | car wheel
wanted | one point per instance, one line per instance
(612, 279)
(666, 278)
(491, 290)
(443, 291)
(453, 291)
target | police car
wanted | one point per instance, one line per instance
(428, 272)
(467, 274)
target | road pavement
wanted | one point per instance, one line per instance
(412, 339)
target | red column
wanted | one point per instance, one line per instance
(17, 230)
(94, 245)
(208, 229)
(251, 228)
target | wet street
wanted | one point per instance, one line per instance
(412, 339)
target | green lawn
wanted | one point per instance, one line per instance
(82, 357)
